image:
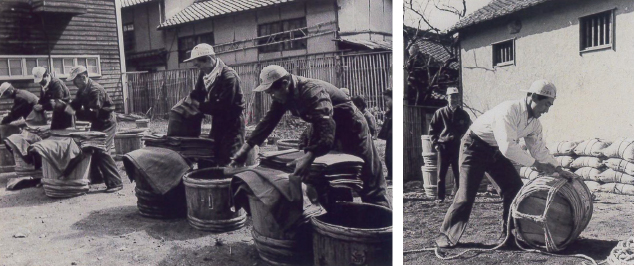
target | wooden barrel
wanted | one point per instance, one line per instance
(549, 213)
(74, 184)
(7, 163)
(430, 180)
(126, 142)
(210, 201)
(353, 234)
(172, 204)
(276, 244)
(23, 169)
(143, 123)
(430, 159)
(286, 144)
(427, 145)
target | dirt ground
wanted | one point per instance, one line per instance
(611, 222)
(106, 229)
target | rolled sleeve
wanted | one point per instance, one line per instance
(505, 134)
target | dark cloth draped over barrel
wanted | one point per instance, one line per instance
(59, 93)
(162, 168)
(20, 144)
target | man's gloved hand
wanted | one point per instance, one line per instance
(240, 157)
(546, 168)
(302, 164)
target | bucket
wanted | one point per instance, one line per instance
(143, 123)
(172, 204)
(430, 159)
(430, 180)
(210, 201)
(427, 145)
(276, 244)
(7, 163)
(74, 184)
(353, 234)
(550, 213)
(286, 144)
(126, 142)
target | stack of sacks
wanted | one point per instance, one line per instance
(187, 147)
(563, 153)
(619, 178)
(589, 163)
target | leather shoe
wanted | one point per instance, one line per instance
(443, 242)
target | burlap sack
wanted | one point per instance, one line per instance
(592, 185)
(581, 162)
(593, 147)
(528, 173)
(612, 176)
(615, 188)
(564, 161)
(620, 165)
(622, 148)
(563, 148)
(588, 173)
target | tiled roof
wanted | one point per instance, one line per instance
(202, 9)
(436, 51)
(129, 3)
(371, 44)
(495, 9)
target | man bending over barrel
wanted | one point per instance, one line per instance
(333, 118)
(490, 145)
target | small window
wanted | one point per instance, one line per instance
(186, 44)
(596, 31)
(282, 35)
(20, 67)
(128, 37)
(504, 53)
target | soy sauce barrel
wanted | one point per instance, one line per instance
(430, 159)
(75, 183)
(7, 163)
(427, 144)
(430, 180)
(353, 234)
(550, 213)
(126, 142)
(286, 144)
(277, 244)
(210, 201)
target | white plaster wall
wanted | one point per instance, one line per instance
(595, 96)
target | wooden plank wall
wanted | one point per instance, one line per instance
(93, 33)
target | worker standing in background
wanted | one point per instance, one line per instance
(490, 145)
(92, 103)
(54, 96)
(334, 120)
(386, 133)
(447, 126)
(23, 102)
(369, 118)
(217, 93)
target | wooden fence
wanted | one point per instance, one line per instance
(415, 123)
(367, 75)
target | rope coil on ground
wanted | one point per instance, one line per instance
(623, 253)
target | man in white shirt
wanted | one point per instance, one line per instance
(490, 146)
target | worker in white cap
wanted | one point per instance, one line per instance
(491, 146)
(217, 93)
(23, 102)
(54, 96)
(92, 103)
(334, 121)
(447, 127)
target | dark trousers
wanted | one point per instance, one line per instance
(476, 158)
(102, 164)
(448, 154)
(228, 135)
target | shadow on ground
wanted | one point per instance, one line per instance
(239, 253)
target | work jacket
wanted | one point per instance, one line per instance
(23, 102)
(57, 91)
(448, 126)
(93, 104)
(225, 99)
(371, 121)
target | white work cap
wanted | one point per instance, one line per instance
(201, 50)
(269, 75)
(4, 87)
(346, 91)
(542, 87)
(74, 71)
(38, 74)
(452, 90)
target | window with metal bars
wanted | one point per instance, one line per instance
(14, 67)
(596, 31)
(186, 44)
(282, 35)
(128, 37)
(504, 53)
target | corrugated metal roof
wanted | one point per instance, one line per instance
(435, 51)
(495, 9)
(371, 44)
(202, 9)
(129, 3)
